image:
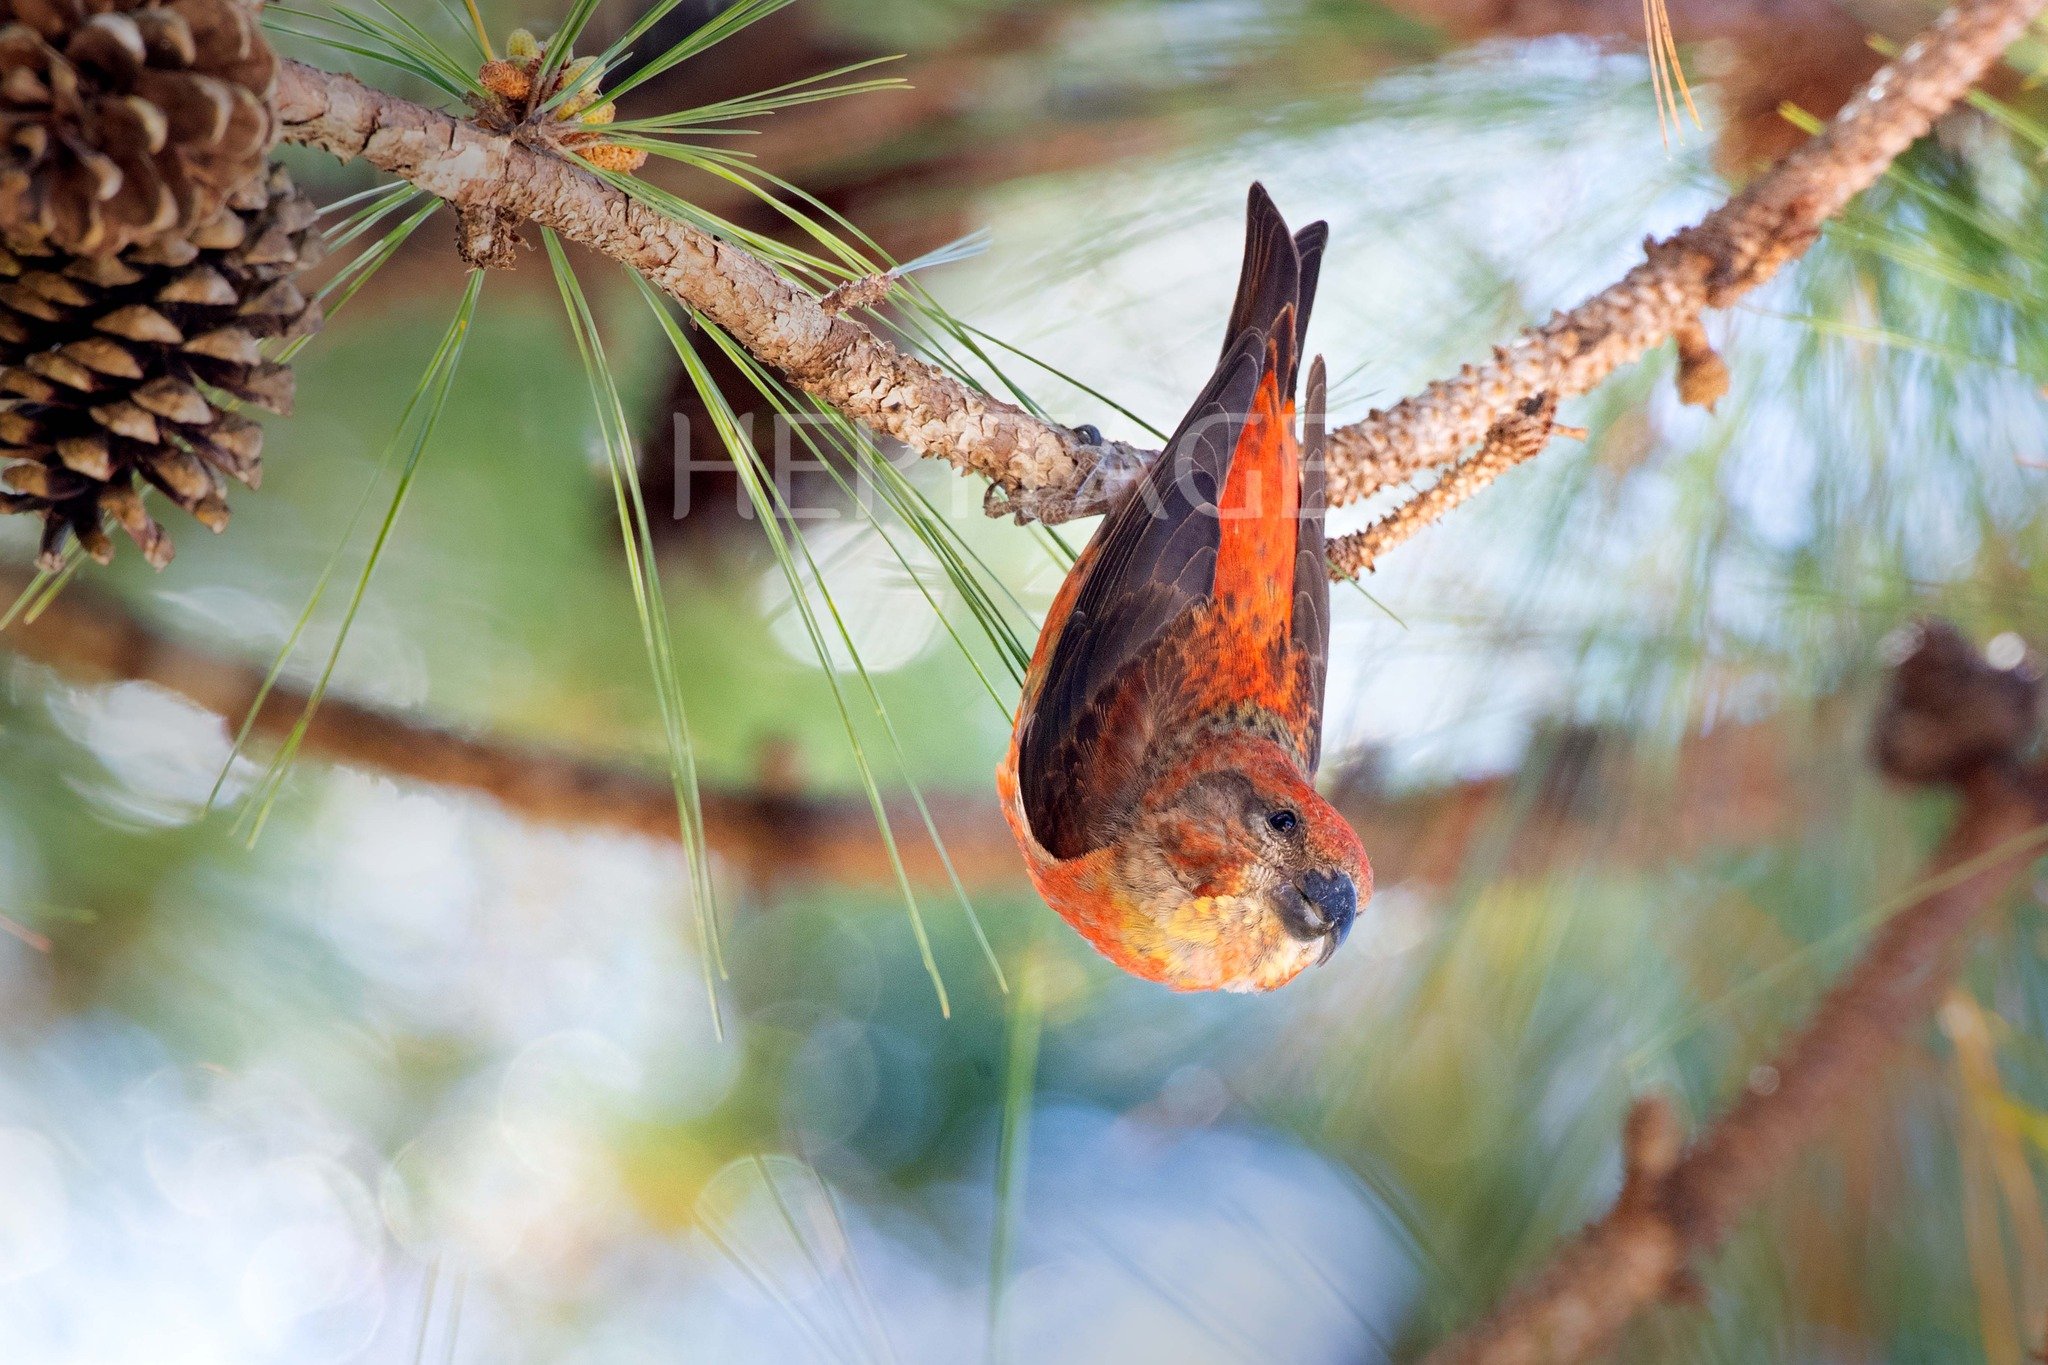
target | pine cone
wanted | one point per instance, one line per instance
(123, 120)
(113, 366)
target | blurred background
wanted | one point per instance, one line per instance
(309, 1063)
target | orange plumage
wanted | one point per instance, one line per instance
(1160, 778)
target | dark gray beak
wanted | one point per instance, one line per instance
(1329, 905)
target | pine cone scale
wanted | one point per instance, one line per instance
(140, 322)
(146, 262)
(87, 455)
(130, 121)
(129, 420)
(117, 372)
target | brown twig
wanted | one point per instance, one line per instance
(1045, 472)
(1517, 437)
(1951, 718)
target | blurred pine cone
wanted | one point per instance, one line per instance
(121, 120)
(113, 366)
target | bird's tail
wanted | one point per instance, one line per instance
(1277, 284)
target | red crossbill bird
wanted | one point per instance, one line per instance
(1160, 779)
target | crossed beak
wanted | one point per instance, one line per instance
(1323, 906)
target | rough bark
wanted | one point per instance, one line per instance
(1513, 439)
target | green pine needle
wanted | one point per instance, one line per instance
(350, 279)
(1020, 1084)
(638, 534)
(401, 44)
(787, 549)
(720, 27)
(428, 401)
(776, 394)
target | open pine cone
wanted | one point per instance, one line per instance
(114, 366)
(121, 120)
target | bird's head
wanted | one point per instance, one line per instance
(1234, 874)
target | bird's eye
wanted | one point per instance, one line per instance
(1283, 822)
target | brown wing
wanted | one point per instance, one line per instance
(1082, 745)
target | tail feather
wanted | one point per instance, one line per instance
(1277, 283)
(1308, 246)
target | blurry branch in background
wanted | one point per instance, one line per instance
(1951, 719)
(1732, 786)
(1048, 472)
(771, 833)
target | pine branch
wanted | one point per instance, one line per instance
(1951, 719)
(1046, 472)
(1709, 265)
(833, 359)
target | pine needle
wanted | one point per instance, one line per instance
(1667, 73)
(429, 1287)
(428, 400)
(350, 279)
(483, 34)
(1020, 1084)
(821, 1265)
(638, 534)
(54, 583)
(41, 588)
(793, 1306)
(808, 90)
(402, 45)
(788, 549)
(562, 44)
(927, 531)
(716, 30)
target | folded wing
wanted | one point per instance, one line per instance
(1154, 561)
